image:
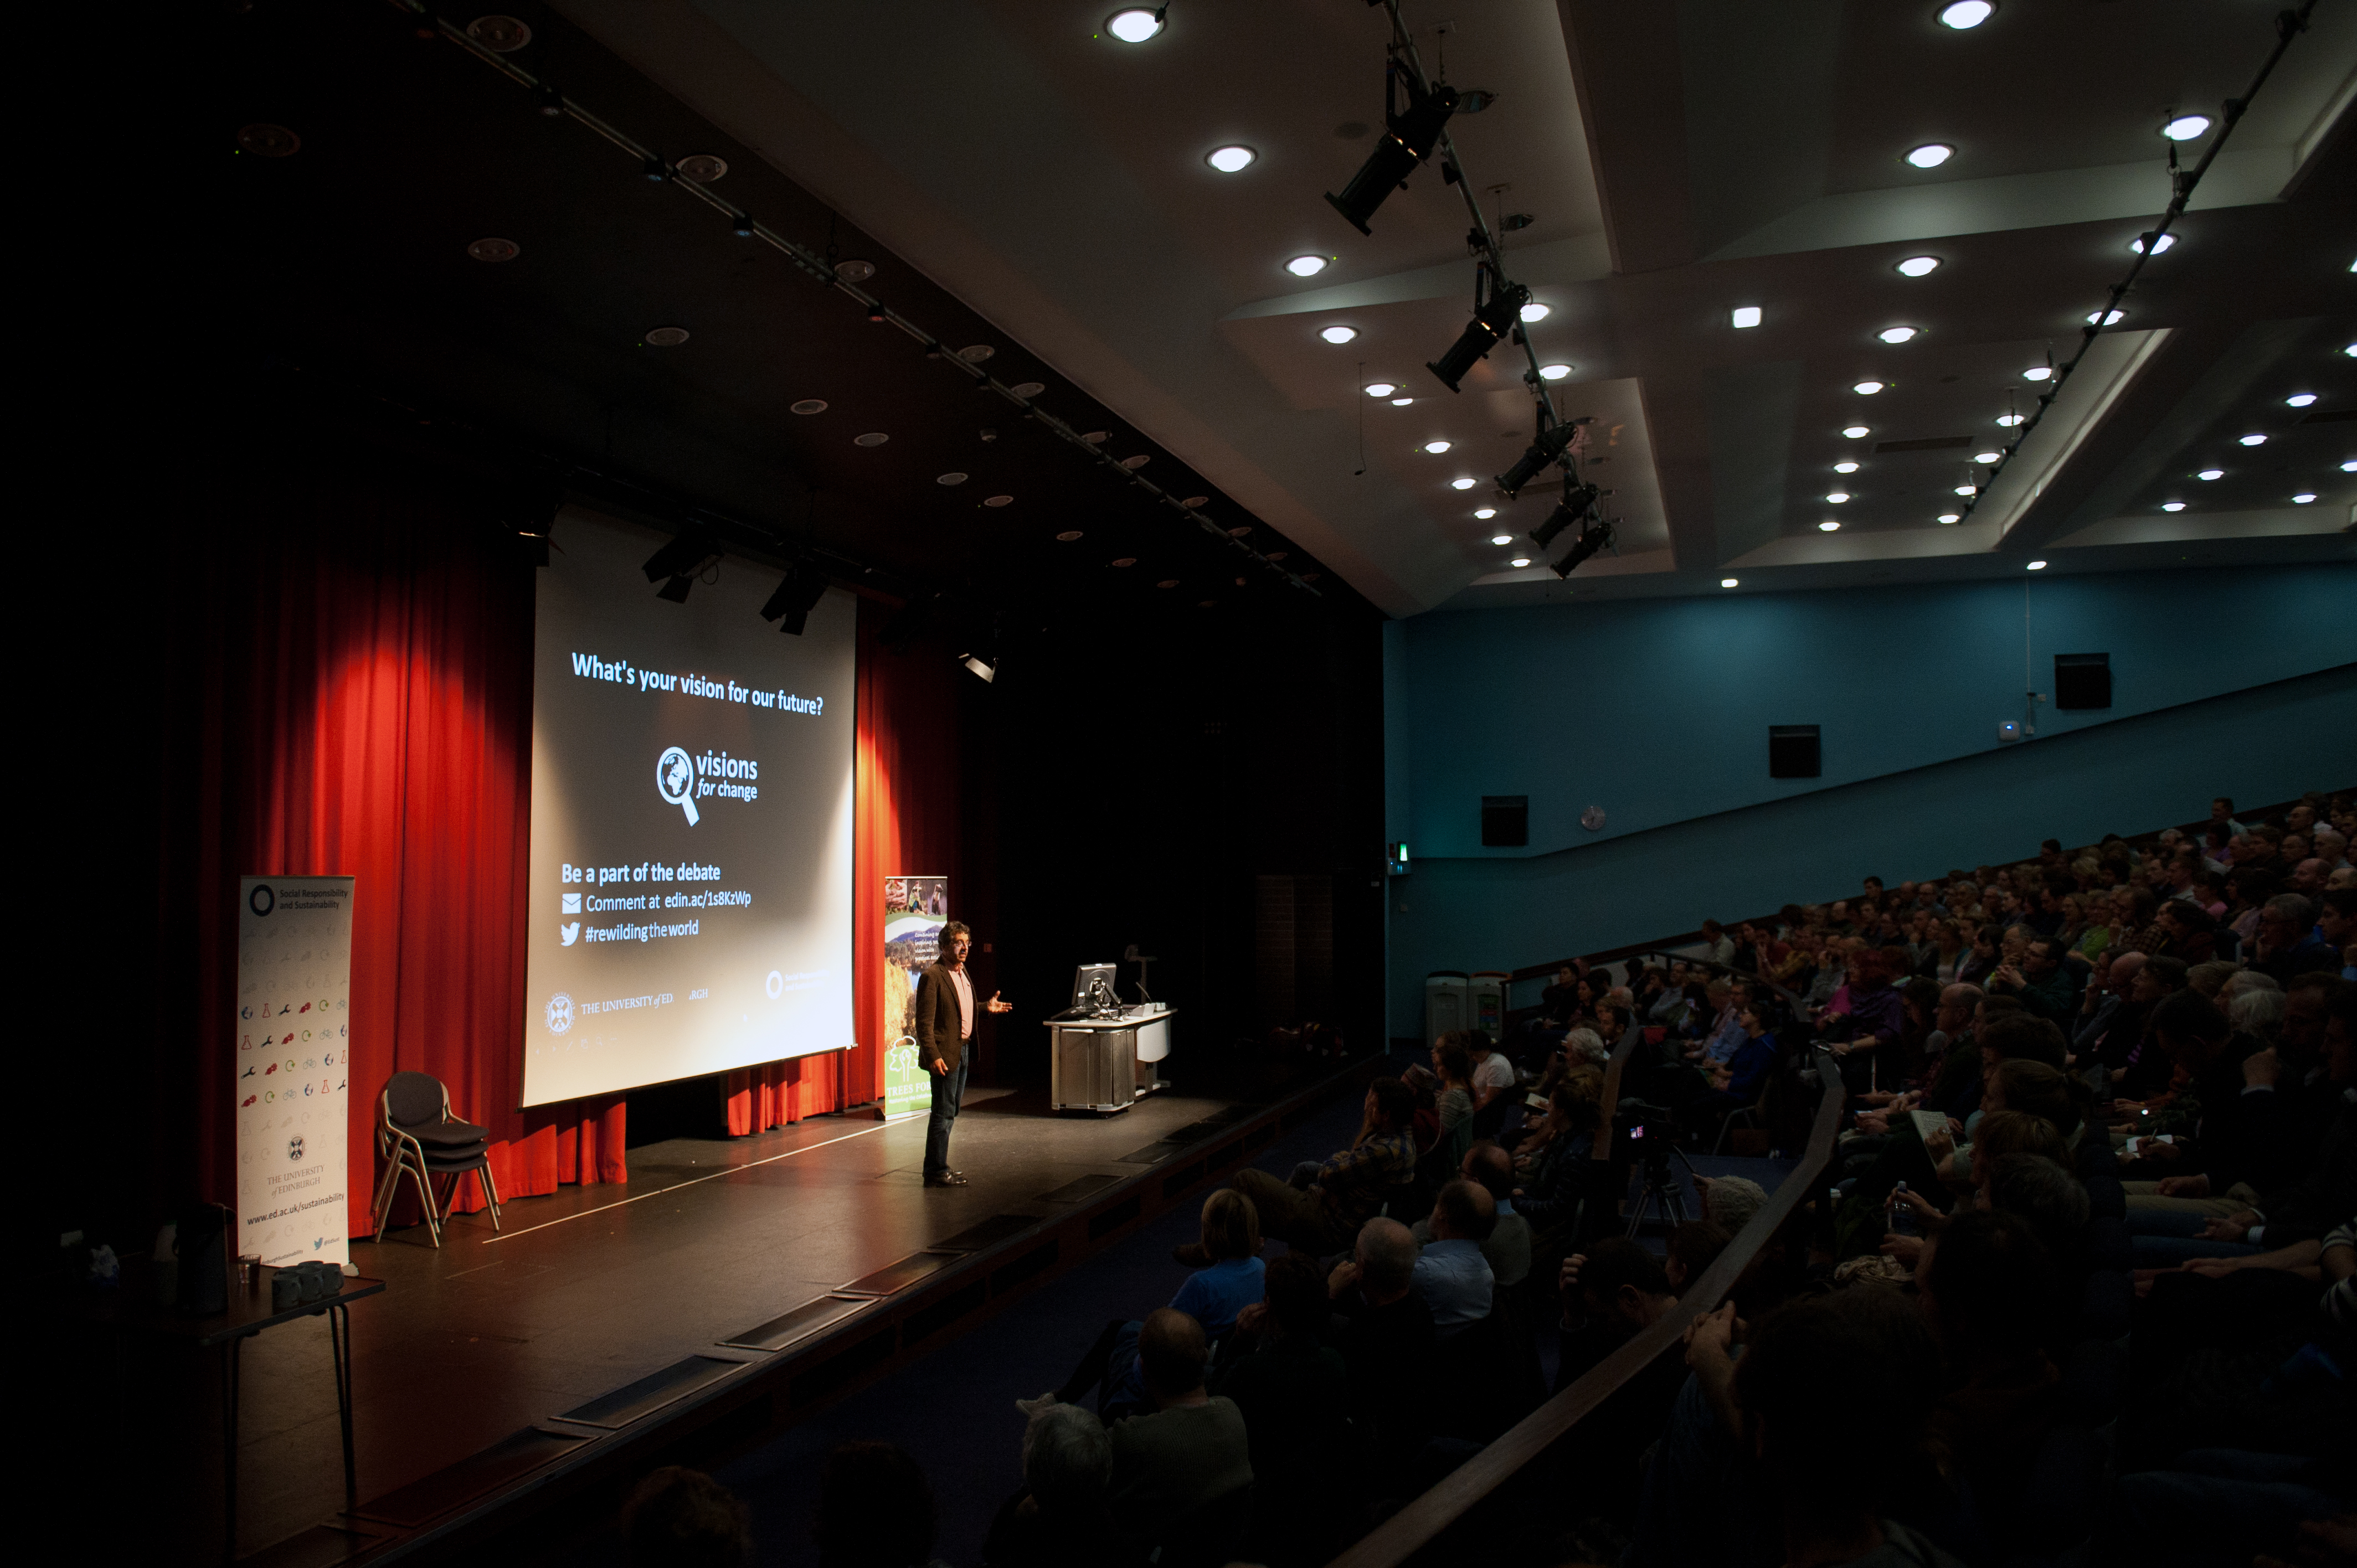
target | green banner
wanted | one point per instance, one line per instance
(915, 909)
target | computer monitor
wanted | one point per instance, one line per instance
(1092, 987)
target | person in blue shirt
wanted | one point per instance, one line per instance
(1738, 1081)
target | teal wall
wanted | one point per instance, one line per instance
(2237, 681)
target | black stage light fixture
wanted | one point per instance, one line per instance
(1538, 455)
(982, 665)
(1407, 142)
(1578, 502)
(675, 565)
(1590, 541)
(551, 101)
(798, 592)
(1491, 322)
(743, 227)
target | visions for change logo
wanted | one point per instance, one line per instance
(681, 780)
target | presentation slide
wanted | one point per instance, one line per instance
(691, 822)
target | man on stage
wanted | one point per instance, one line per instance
(944, 1025)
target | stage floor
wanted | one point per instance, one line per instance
(592, 1287)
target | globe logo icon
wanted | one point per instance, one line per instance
(675, 780)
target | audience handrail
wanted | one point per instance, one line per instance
(1408, 1531)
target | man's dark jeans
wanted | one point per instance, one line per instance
(949, 1088)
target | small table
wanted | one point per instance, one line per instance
(248, 1316)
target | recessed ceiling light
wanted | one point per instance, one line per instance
(1553, 372)
(664, 337)
(1027, 389)
(2186, 127)
(2159, 247)
(2172, 506)
(2300, 399)
(808, 405)
(1339, 334)
(1952, 517)
(1917, 266)
(1829, 526)
(1986, 457)
(998, 500)
(1845, 468)
(1501, 538)
(1534, 311)
(1069, 536)
(952, 478)
(1096, 438)
(1125, 561)
(873, 438)
(1838, 497)
(1306, 266)
(1746, 316)
(494, 250)
(1168, 582)
(2303, 498)
(1930, 155)
(1965, 14)
(2037, 565)
(2349, 467)
(2106, 317)
(1727, 581)
(2010, 420)
(854, 270)
(2210, 474)
(1137, 462)
(1436, 447)
(1239, 533)
(2350, 349)
(1381, 389)
(1897, 334)
(1868, 389)
(1231, 159)
(1856, 432)
(1520, 561)
(2039, 373)
(2255, 439)
(1196, 503)
(1135, 24)
(1460, 484)
(1485, 514)
(1402, 402)
(1967, 489)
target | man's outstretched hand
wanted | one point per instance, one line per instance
(941, 1067)
(995, 1005)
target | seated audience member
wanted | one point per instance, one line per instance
(1453, 1099)
(1294, 1391)
(1451, 1274)
(1227, 1278)
(1976, 967)
(1186, 1466)
(1508, 1246)
(1557, 1161)
(1610, 1294)
(2287, 944)
(1386, 1340)
(1729, 1202)
(2044, 985)
(2235, 1142)
(1693, 1247)
(1492, 1082)
(1059, 1519)
(1323, 1206)
(1736, 1082)
(875, 1509)
(680, 1518)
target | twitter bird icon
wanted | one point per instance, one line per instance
(569, 932)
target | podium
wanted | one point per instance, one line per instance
(1107, 1063)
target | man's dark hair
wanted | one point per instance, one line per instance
(2190, 1014)
(1394, 1102)
(2225, 801)
(2191, 915)
(2024, 1035)
(1829, 1459)
(2042, 1192)
(2053, 950)
(1170, 1351)
(2049, 846)
(1990, 1282)
(680, 1518)
(875, 1509)
(953, 931)
(1469, 1209)
(1615, 1261)
(1296, 1287)
(1697, 1245)
(2042, 1089)
(2167, 972)
(1492, 1168)
(2341, 901)
(1995, 1007)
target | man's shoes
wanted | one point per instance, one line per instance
(1033, 1407)
(946, 1179)
(1191, 1255)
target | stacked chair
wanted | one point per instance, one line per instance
(416, 1135)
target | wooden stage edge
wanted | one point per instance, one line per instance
(737, 1395)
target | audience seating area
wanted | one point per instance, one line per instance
(2040, 1247)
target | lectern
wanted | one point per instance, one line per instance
(1108, 1061)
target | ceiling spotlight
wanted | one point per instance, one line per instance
(1231, 160)
(664, 337)
(1402, 402)
(1845, 468)
(1491, 322)
(1868, 389)
(1917, 266)
(1930, 155)
(1856, 432)
(2350, 349)
(676, 563)
(1306, 266)
(1838, 497)
(1590, 541)
(1534, 311)
(494, 250)
(1745, 316)
(1407, 141)
(2303, 498)
(743, 227)
(2037, 565)
(1501, 538)
(1985, 457)
(1436, 447)
(1897, 334)
(1339, 334)
(2207, 474)
(1967, 489)
(2106, 317)
(1460, 484)
(2300, 399)
(2039, 373)
(1727, 581)
(1136, 25)
(2159, 247)
(1520, 561)
(2172, 506)
(1952, 517)
(2255, 439)
(1538, 455)
(2010, 420)
(1966, 14)
(1577, 505)
(1380, 388)
(2186, 127)
(1829, 526)
(1553, 372)
(2349, 467)
(1485, 513)
(798, 594)
(979, 665)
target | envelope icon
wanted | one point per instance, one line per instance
(572, 904)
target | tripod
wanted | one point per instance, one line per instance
(1658, 1188)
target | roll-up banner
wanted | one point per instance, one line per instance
(294, 1044)
(915, 911)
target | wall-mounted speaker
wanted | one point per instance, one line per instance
(1505, 822)
(2083, 679)
(1793, 752)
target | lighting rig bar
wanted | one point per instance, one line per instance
(2288, 25)
(815, 266)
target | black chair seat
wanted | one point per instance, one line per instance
(446, 1135)
(465, 1159)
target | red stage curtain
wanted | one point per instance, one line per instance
(362, 651)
